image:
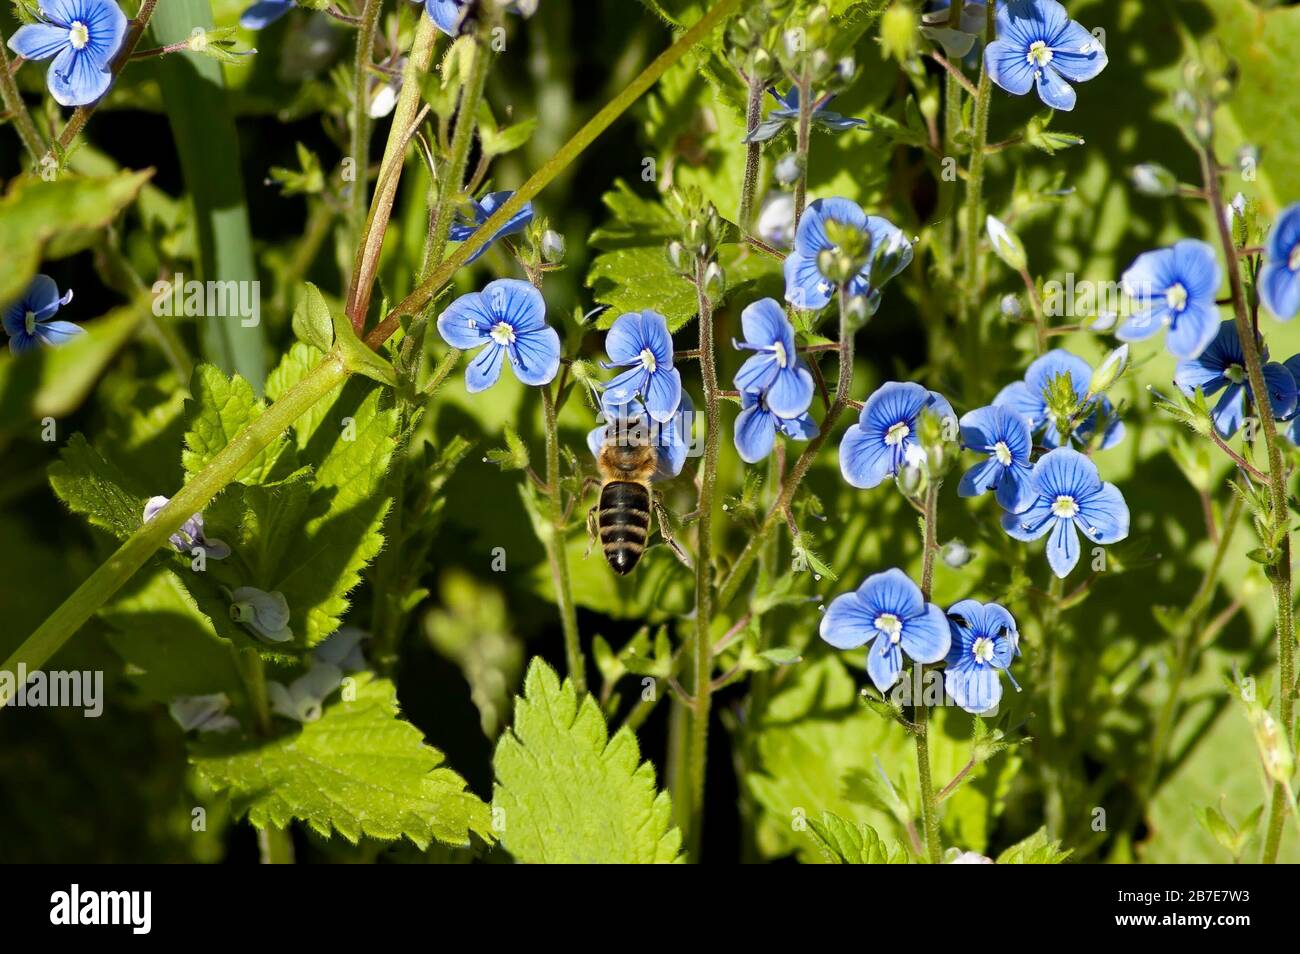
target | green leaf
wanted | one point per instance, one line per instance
(218, 409)
(93, 487)
(844, 843)
(311, 319)
(567, 793)
(34, 212)
(358, 770)
(1037, 849)
(357, 357)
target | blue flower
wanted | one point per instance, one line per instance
(787, 114)
(27, 320)
(264, 13)
(450, 15)
(1222, 367)
(805, 285)
(1292, 432)
(1069, 496)
(640, 342)
(1173, 286)
(1003, 435)
(775, 371)
(191, 533)
(1039, 45)
(884, 439)
(509, 316)
(1279, 280)
(671, 438)
(482, 210)
(757, 424)
(984, 640)
(1028, 399)
(887, 613)
(83, 36)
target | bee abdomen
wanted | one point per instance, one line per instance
(624, 522)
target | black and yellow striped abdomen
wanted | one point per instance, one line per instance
(624, 522)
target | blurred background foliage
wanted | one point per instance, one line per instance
(117, 788)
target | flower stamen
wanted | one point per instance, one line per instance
(1065, 507)
(897, 434)
(891, 626)
(648, 360)
(78, 35)
(1176, 297)
(1002, 453)
(982, 649)
(1040, 54)
(503, 334)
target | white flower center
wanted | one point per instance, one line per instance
(983, 649)
(897, 434)
(1040, 54)
(1235, 373)
(778, 349)
(1064, 506)
(1002, 453)
(648, 360)
(78, 34)
(1293, 260)
(1176, 297)
(890, 625)
(29, 322)
(503, 334)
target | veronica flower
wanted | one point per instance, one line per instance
(888, 614)
(1279, 280)
(884, 439)
(1292, 364)
(265, 614)
(776, 220)
(1069, 496)
(671, 438)
(640, 342)
(1039, 45)
(482, 210)
(1173, 287)
(787, 114)
(509, 317)
(450, 15)
(264, 13)
(805, 284)
(303, 700)
(757, 426)
(83, 37)
(190, 534)
(984, 641)
(1028, 398)
(1003, 435)
(27, 321)
(1222, 367)
(342, 648)
(203, 713)
(776, 370)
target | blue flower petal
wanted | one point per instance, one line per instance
(791, 391)
(484, 370)
(58, 332)
(1063, 548)
(264, 13)
(865, 462)
(765, 324)
(926, 638)
(1008, 67)
(975, 688)
(1103, 515)
(847, 623)
(1076, 54)
(1015, 489)
(466, 322)
(1279, 288)
(891, 591)
(1031, 523)
(664, 393)
(38, 41)
(75, 78)
(1193, 329)
(755, 433)
(1054, 90)
(884, 663)
(535, 355)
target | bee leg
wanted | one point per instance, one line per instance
(591, 531)
(661, 515)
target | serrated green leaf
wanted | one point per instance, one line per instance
(844, 843)
(94, 488)
(218, 409)
(1037, 849)
(311, 319)
(567, 793)
(358, 770)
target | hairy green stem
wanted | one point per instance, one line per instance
(969, 299)
(556, 553)
(802, 132)
(1280, 573)
(929, 804)
(17, 108)
(275, 845)
(753, 154)
(359, 146)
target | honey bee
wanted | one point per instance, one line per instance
(627, 460)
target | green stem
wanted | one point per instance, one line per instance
(929, 804)
(556, 553)
(189, 500)
(1051, 771)
(359, 147)
(275, 845)
(14, 104)
(1280, 573)
(968, 302)
(371, 241)
(753, 153)
(702, 686)
(802, 142)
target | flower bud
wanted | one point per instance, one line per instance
(715, 281)
(552, 246)
(1010, 306)
(956, 554)
(787, 169)
(1151, 178)
(677, 256)
(1109, 371)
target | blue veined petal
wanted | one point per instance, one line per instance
(1103, 515)
(22, 342)
(847, 623)
(626, 339)
(1009, 67)
(885, 234)
(1141, 325)
(264, 13)
(1056, 362)
(466, 322)
(656, 337)
(926, 638)
(516, 223)
(767, 129)
(484, 370)
(800, 428)
(755, 433)
(865, 462)
(975, 688)
(1284, 236)
(791, 391)
(836, 122)
(757, 373)
(76, 79)
(624, 388)
(535, 355)
(58, 332)
(884, 663)
(1197, 268)
(1019, 397)
(892, 591)
(1150, 274)
(664, 389)
(515, 302)
(1229, 410)
(1031, 523)
(42, 298)
(447, 15)
(105, 28)
(980, 478)
(1054, 90)
(1279, 288)
(1193, 329)
(1204, 371)
(1281, 390)
(765, 324)
(1063, 548)
(1076, 54)
(805, 286)
(38, 41)
(810, 238)
(1015, 489)
(1065, 472)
